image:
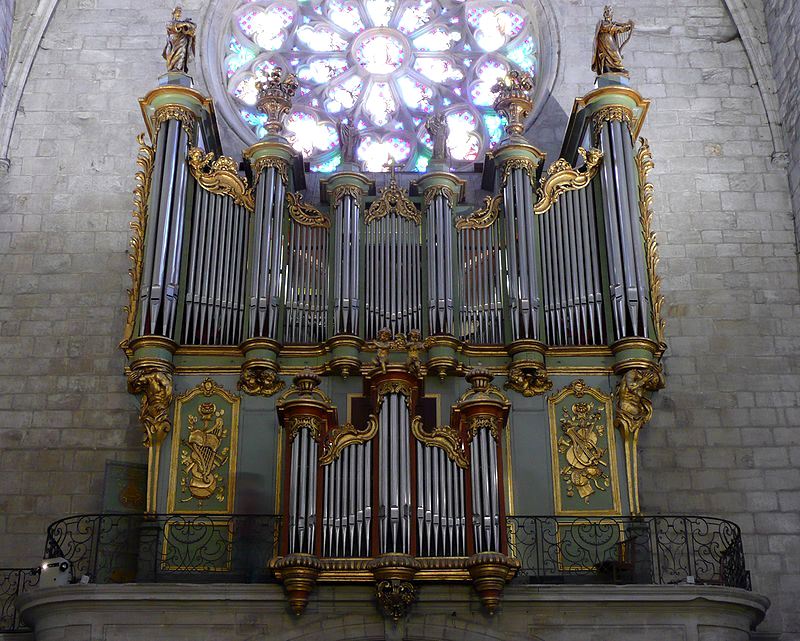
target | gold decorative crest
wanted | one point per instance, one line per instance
(483, 217)
(141, 194)
(304, 213)
(345, 190)
(525, 164)
(346, 434)
(438, 190)
(393, 200)
(220, 177)
(645, 164)
(443, 437)
(184, 115)
(528, 378)
(610, 113)
(259, 380)
(265, 162)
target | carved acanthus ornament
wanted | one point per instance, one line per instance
(219, 176)
(259, 380)
(610, 113)
(393, 200)
(644, 164)
(483, 217)
(267, 162)
(305, 214)
(562, 177)
(436, 191)
(297, 423)
(525, 164)
(184, 115)
(528, 378)
(154, 383)
(445, 438)
(514, 100)
(633, 409)
(480, 422)
(141, 194)
(275, 93)
(345, 190)
(395, 597)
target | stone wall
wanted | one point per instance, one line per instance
(725, 438)
(6, 22)
(783, 22)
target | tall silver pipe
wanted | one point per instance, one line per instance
(569, 270)
(596, 279)
(367, 497)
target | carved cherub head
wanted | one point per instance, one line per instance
(385, 335)
(414, 336)
(608, 14)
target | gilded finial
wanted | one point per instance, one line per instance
(179, 49)
(513, 100)
(275, 93)
(609, 40)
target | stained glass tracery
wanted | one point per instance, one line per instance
(384, 66)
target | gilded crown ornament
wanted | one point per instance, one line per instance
(179, 49)
(275, 93)
(513, 100)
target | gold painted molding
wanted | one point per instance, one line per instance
(220, 177)
(526, 164)
(445, 438)
(483, 217)
(304, 213)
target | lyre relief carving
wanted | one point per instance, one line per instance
(582, 425)
(202, 454)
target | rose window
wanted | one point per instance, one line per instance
(383, 66)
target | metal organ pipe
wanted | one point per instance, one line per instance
(303, 493)
(440, 265)
(485, 492)
(164, 233)
(346, 238)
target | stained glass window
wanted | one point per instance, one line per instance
(383, 66)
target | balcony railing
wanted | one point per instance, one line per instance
(132, 548)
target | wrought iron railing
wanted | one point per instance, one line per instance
(124, 548)
(643, 550)
(13, 582)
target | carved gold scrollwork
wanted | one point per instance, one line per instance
(347, 434)
(632, 411)
(528, 378)
(265, 162)
(644, 164)
(438, 190)
(610, 113)
(393, 200)
(394, 387)
(184, 115)
(525, 164)
(141, 193)
(443, 437)
(561, 177)
(304, 213)
(220, 176)
(395, 597)
(483, 217)
(259, 380)
(345, 190)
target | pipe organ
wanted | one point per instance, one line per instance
(364, 330)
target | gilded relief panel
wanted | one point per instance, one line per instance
(204, 446)
(583, 452)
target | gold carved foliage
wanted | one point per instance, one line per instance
(561, 177)
(141, 194)
(436, 191)
(483, 217)
(219, 176)
(297, 423)
(304, 213)
(645, 164)
(525, 164)
(528, 378)
(267, 162)
(582, 426)
(203, 454)
(154, 383)
(345, 190)
(344, 435)
(182, 114)
(610, 113)
(480, 422)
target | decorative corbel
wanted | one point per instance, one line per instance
(490, 571)
(154, 382)
(299, 573)
(633, 410)
(259, 380)
(394, 588)
(561, 177)
(528, 378)
(220, 176)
